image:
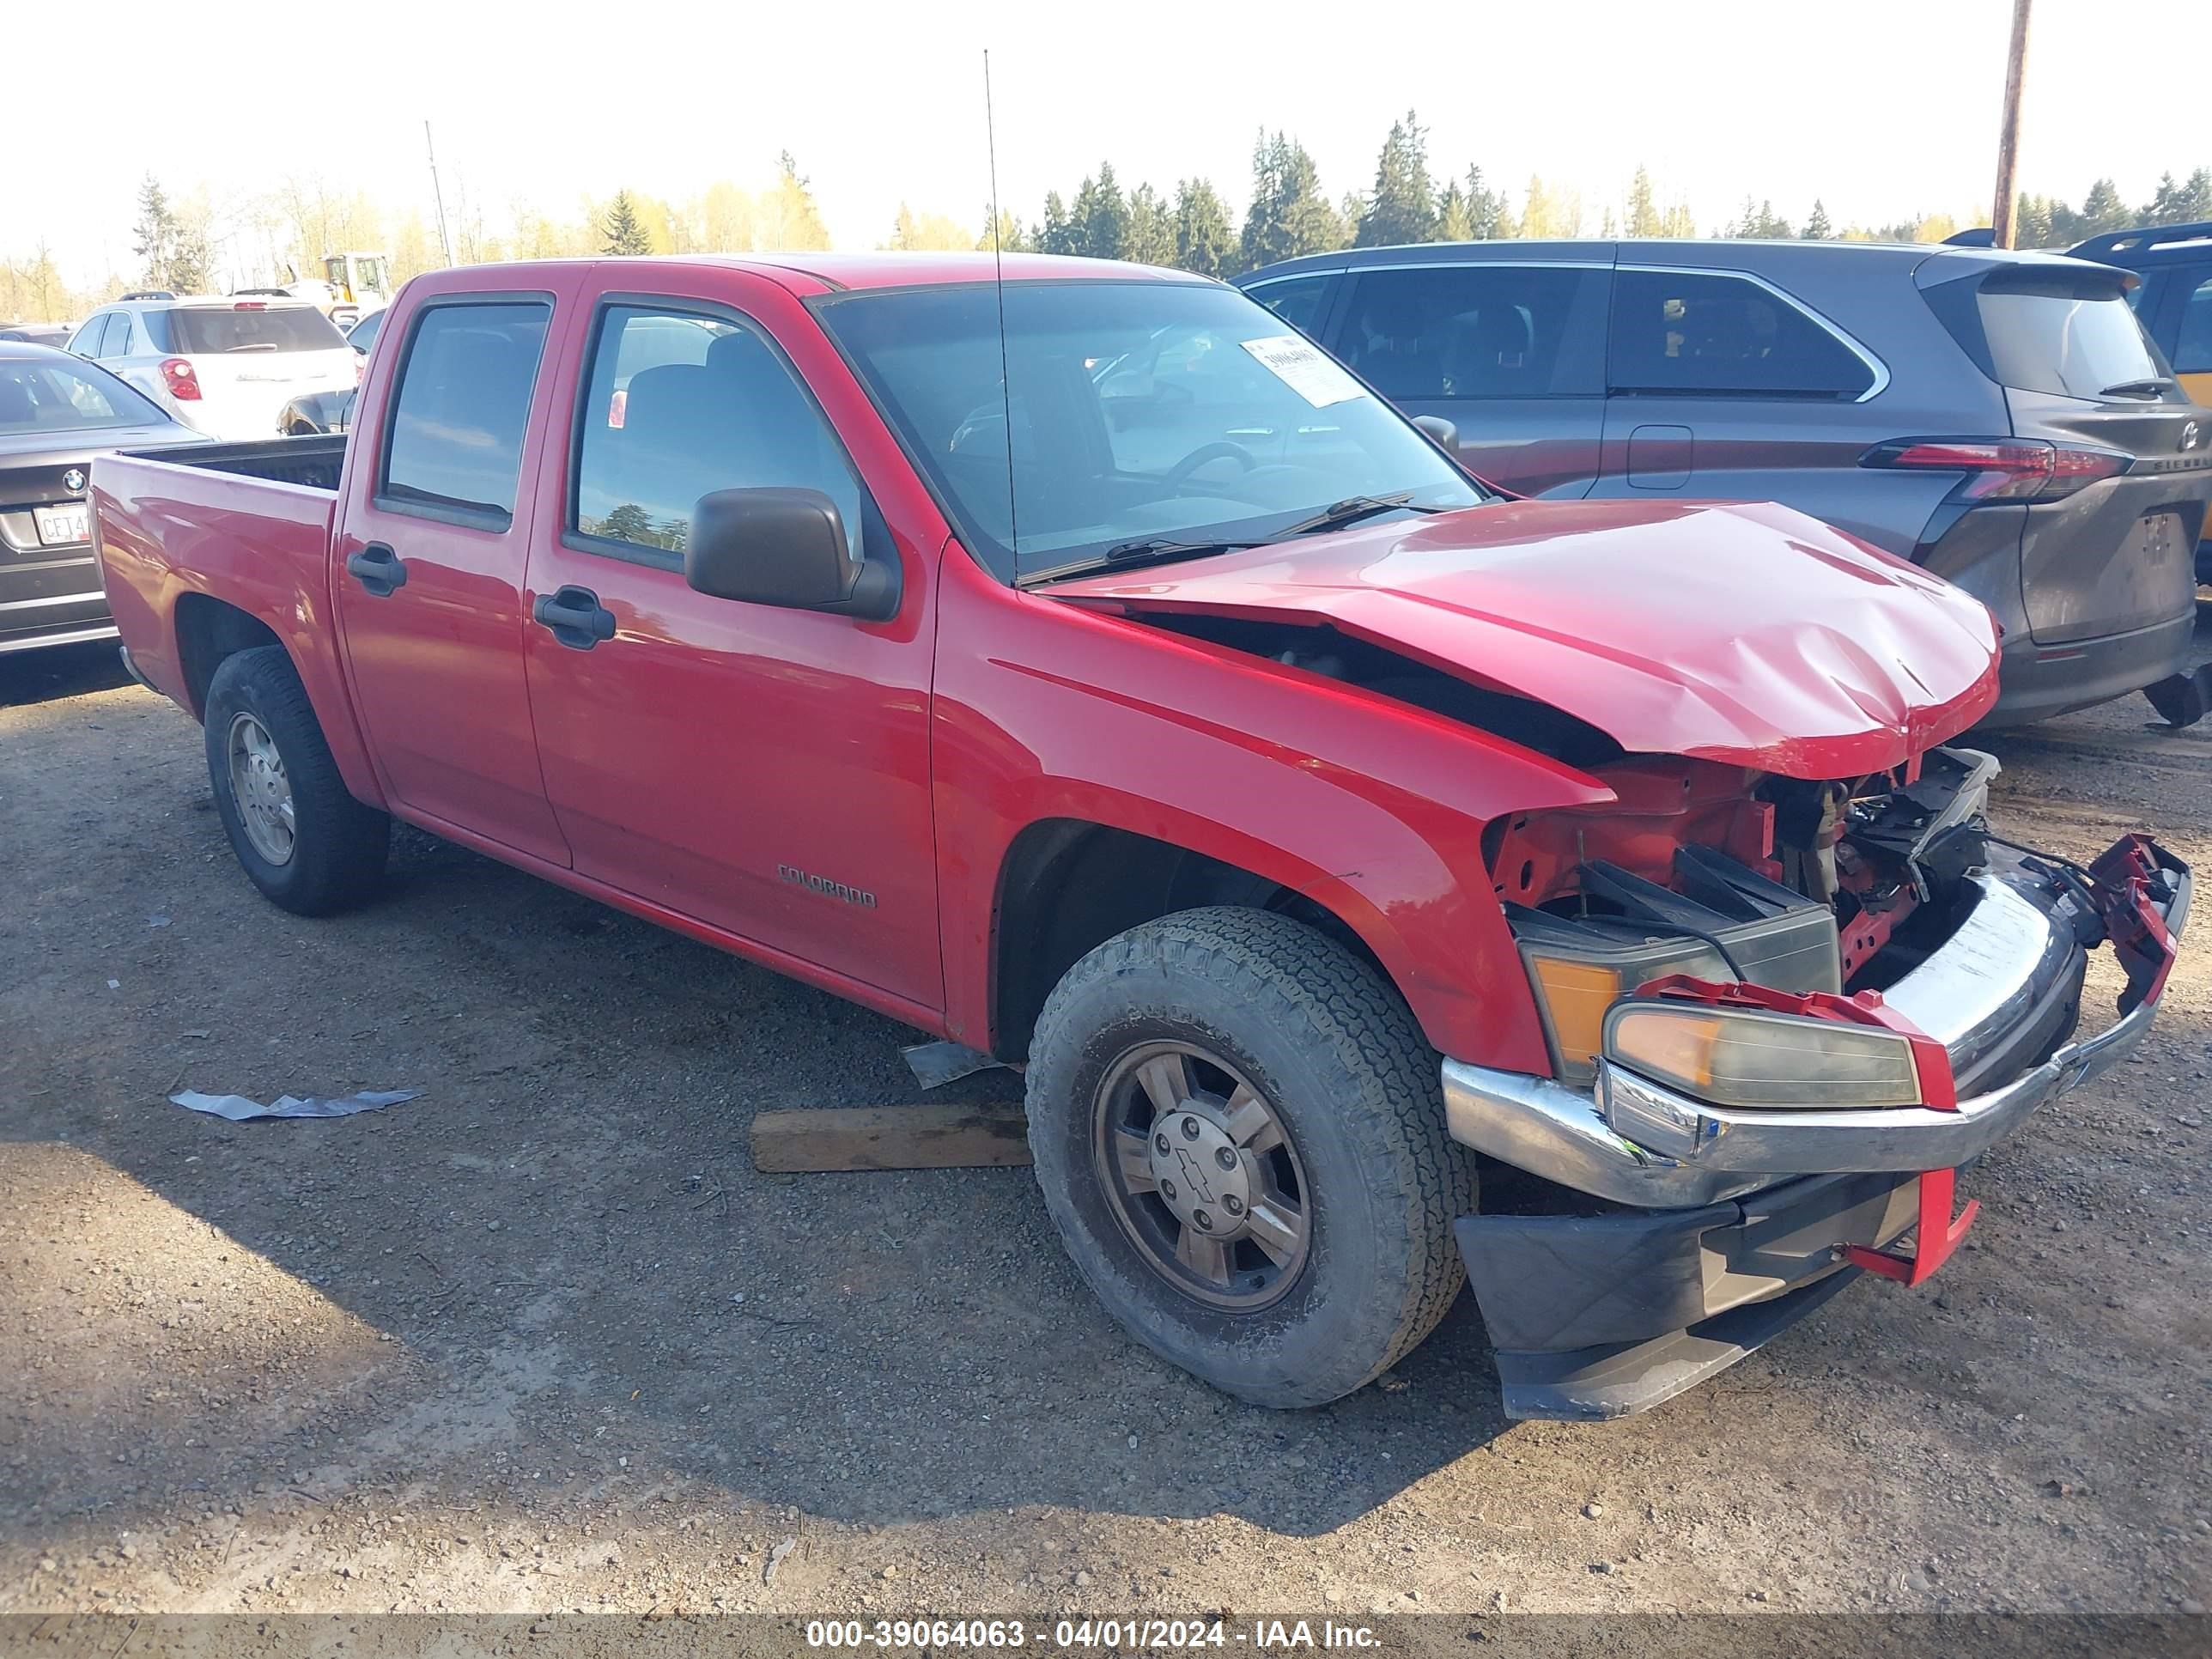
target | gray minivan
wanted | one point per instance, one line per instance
(1997, 417)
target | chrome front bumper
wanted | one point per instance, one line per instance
(1997, 994)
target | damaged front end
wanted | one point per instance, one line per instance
(1780, 1014)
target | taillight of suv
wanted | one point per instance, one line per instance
(2003, 468)
(183, 384)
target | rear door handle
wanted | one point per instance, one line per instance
(575, 616)
(378, 568)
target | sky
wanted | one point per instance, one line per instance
(1882, 110)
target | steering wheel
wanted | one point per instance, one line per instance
(1179, 474)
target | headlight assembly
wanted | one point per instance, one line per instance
(1743, 1057)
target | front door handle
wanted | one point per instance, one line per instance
(575, 616)
(378, 569)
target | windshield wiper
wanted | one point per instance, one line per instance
(2150, 386)
(1350, 510)
(1155, 548)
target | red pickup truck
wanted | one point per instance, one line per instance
(1384, 883)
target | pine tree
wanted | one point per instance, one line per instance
(1676, 224)
(1289, 217)
(1204, 242)
(2031, 222)
(620, 231)
(2103, 210)
(1402, 206)
(1151, 238)
(1817, 228)
(2181, 204)
(1642, 212)
(1455, 214)
(1056, 234)
(1489, 215)
(1100, 217)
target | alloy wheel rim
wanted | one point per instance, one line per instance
(261, 790)
(1202, 1176)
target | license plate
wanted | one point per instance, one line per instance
(2157, 538)
(58, 527)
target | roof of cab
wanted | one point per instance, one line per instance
(833, 271)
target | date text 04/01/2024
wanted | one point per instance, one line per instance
(1109, 1635)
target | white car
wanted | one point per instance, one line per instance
(224, 367)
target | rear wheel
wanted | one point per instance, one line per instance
(1239, 1133)
(301, 838)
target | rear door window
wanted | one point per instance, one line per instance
(1299, 300)
(454, 444)
(680, 405)
(2059, 334)
(1710, 334)
(212, 330)
(1475, 331)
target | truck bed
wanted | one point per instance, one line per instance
(312, 462)
(204, 542)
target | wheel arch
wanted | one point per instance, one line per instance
(1066, 885)
(207, 631)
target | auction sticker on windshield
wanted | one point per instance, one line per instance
(1301, 365)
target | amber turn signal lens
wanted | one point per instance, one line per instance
(1575, 995)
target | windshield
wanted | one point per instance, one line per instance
(40, 395)
(1141, 411)
(207, 330)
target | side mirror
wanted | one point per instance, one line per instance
(1445, 434)
(787, 547)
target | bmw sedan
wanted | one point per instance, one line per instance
(57, 412)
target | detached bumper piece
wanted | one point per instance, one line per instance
(1744, 1221)
(1599, 1316)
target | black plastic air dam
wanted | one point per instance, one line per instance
(1588, 1312)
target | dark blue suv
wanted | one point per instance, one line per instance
(2000, 418)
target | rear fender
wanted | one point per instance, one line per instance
(167, 532)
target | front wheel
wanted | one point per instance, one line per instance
(300, 836)
(1239, 1133)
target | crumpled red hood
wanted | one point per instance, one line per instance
(1748, 634)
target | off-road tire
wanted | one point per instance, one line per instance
(1336, 1051)
(339, 845)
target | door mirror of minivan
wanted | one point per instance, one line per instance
(783, 546)
(1442, 430)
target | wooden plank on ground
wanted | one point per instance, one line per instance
(890, 1137)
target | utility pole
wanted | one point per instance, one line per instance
(2001, 217)
(439, 196)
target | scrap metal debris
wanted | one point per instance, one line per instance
(937, 1063)
(238, 1109)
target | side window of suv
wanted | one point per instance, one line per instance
(85, 343)
(680, 405)
(453, 448)
(1299, 300)
(1707, 333)
(2192, 342)
(1478, 331)
(116, 342)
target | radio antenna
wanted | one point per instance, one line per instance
(999, 288)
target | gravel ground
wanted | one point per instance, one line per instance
(543, 1340)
